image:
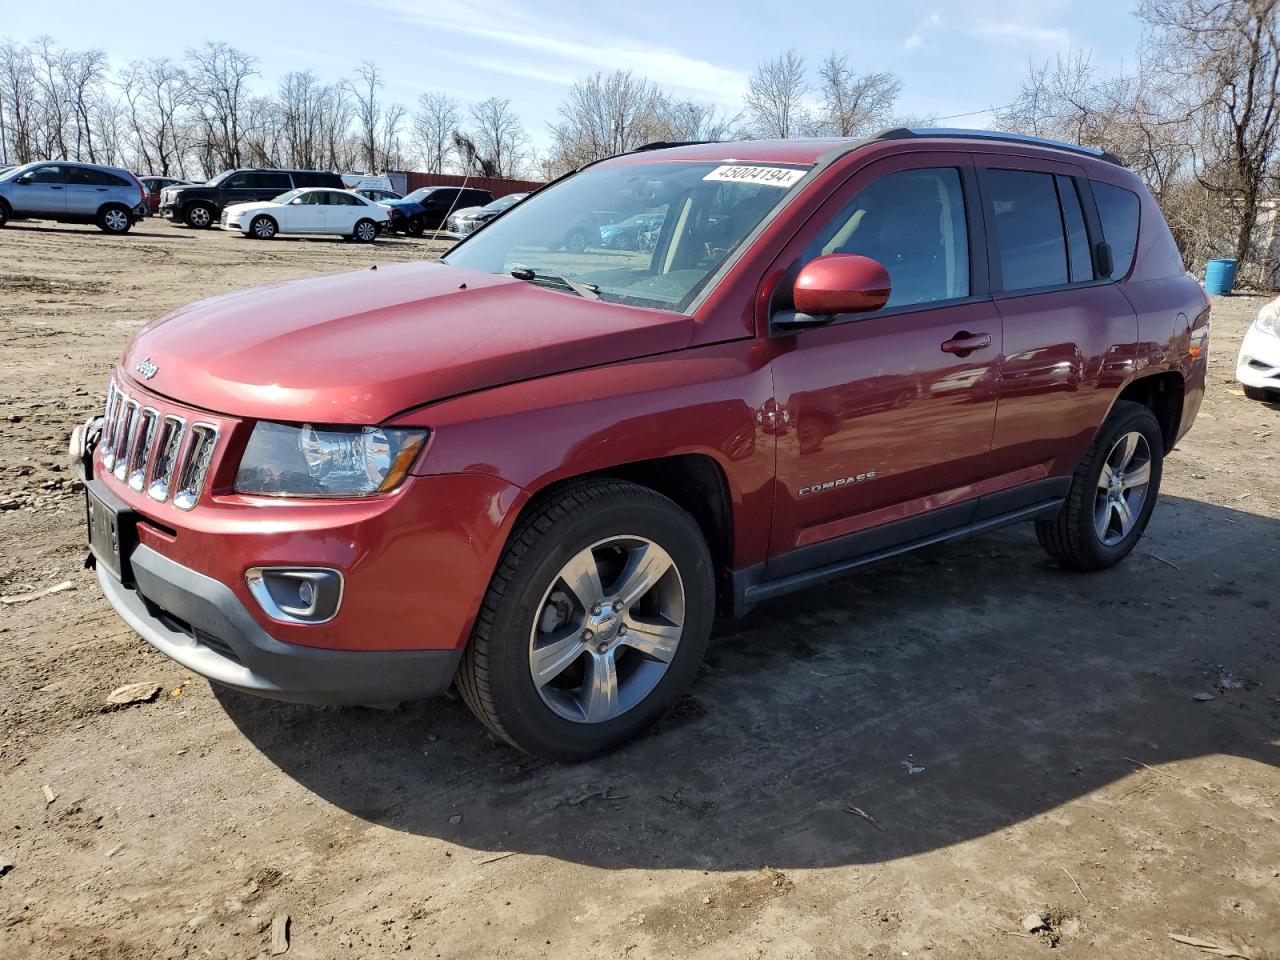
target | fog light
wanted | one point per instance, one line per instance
(296, 594)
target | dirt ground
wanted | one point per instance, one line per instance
(904, 763)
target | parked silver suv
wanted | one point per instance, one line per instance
(111, 197)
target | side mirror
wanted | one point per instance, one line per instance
(834, 284)
(26, 178)
(295, 201)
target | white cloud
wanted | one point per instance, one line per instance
(557, 53)
(1016, 33)
(917, 36)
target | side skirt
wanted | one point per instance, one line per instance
(751, 585)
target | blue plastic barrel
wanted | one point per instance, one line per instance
(1219, 275)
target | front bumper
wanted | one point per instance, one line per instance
(1258, 364)
(201, 624)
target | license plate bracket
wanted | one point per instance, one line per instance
(113, 532)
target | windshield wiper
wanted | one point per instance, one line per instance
(588, 290)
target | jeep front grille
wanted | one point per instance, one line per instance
(156, 451)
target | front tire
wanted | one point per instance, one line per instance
(594, 624)
(114, 219)
(1112, 493)
(4, 213)
(366, 231)
(576, 241)
(199, 216)
(1253, 393)
(263, 228)
(417, 225)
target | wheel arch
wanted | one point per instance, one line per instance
(1163, 393)
(696, 482)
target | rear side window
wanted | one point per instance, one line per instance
(315, 178)
(270, 181)
(913, 223)
(1118, 211)
(1029, 233)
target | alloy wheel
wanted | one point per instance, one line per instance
(199, 217)
(607, 629)
(366, 231)
(117, 221)
(1122, 488)
(264, 229)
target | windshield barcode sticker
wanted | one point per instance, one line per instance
(768, 176)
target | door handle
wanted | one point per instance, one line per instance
(964, 343)
(103, 189)
(54, 186)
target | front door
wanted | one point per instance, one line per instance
(41, 191)
(888, 416)
(308, 213)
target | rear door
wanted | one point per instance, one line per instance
(41, 191)
(1069, 338)
(887, 416)
(342, 212)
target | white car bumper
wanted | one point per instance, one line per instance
(1259, 361)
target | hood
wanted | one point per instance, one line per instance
(251, 205)
(360, 347)
(402, 204)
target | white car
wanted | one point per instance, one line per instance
(312, 210)
(1259, 365)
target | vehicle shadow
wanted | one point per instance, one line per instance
(88, 229)
(947, 694)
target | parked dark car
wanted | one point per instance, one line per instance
(200, 205)
(154, 185)
(438, 203)
(111, 197)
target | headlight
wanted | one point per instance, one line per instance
(1269, 318)
(288, 460)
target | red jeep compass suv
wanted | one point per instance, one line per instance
(538, 473)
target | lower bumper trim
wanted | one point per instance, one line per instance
(222, 642)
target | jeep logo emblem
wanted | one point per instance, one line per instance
(146, 368)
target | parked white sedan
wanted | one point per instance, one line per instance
(313, 210)
(1258, 366)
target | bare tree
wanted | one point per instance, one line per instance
(434, 123)
(855, 104)
(18, 93)
(774, 99)
(499, 136)
(1223, 57)
(608, 114)
(218, 94)
(365, 90)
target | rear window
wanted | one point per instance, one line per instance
(316, 178)
(1118, 211)
(1029, 233)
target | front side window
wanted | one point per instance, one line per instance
(1118, 211)
(48, 174)
(1029, 232)
(912, 223)
(705, 211)
(238, 182)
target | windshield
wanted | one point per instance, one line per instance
(286, 197)
(503, 202)
(213, 182)
(419, 193)
(685, 218)
(15, 171)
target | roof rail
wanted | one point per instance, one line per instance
(664, 144)
(906, 133)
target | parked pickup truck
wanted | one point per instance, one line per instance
(537, 474)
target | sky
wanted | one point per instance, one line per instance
(953, 57)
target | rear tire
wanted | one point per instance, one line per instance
(114, 219)
(576, 241)
(263, 228)
(1112, 493)
(199, 216)
(4, 213)
(620, 659)
(365, 231)
(1261, 394)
